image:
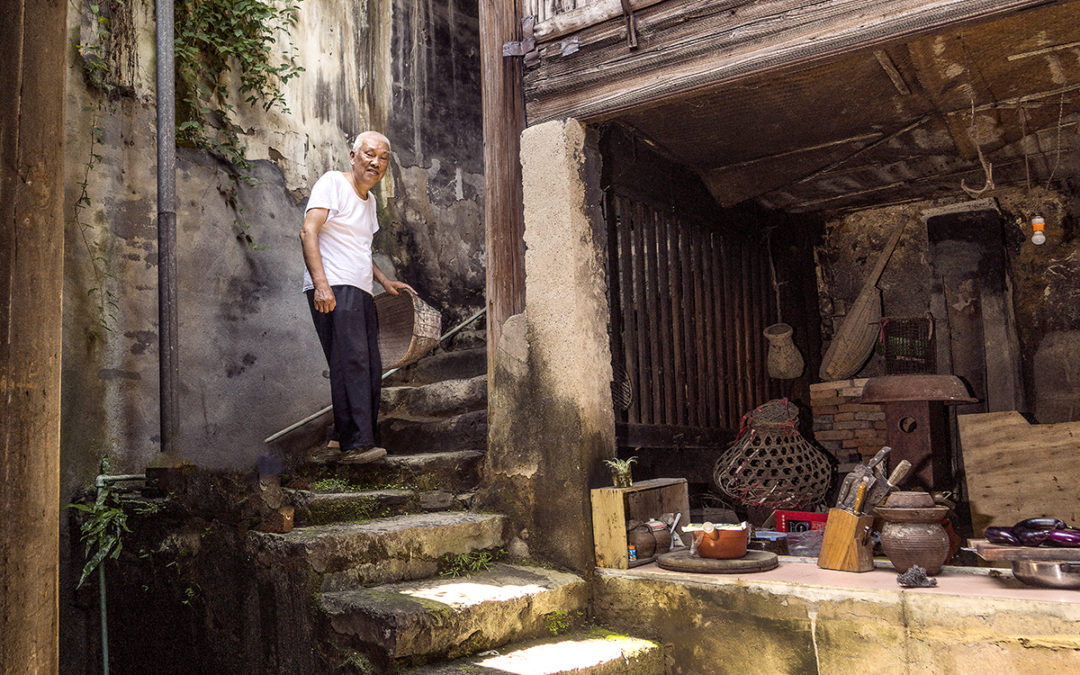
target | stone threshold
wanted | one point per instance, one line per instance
(800, 576)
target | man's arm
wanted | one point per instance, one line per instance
(392, 287)
(309, 242)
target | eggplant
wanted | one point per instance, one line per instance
(1030, 537)
(1041, 524)
(1001, 535)
(1067, 538)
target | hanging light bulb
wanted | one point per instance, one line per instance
(1038, 237)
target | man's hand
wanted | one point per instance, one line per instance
(324, 299)
(394, 287)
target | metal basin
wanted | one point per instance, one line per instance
(898, 388)
(1050, 574)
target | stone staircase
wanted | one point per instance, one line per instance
(376, 555)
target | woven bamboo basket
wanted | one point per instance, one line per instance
(408, 328)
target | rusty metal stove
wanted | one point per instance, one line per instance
(917, 423)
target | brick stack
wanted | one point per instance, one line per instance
(844, 427)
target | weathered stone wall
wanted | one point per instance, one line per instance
(1045, 284)
(748, 626)
(249, 360)
(436, 211)
(550, 416)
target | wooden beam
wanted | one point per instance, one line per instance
(33, 47)
(504, 119)
(688, 46)
(670, 436)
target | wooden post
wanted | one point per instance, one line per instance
(32, 47)
(504, 119)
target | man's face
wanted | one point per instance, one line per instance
(370, 161)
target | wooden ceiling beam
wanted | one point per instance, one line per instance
(687, 46)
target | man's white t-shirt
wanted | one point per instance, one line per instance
(345, 238)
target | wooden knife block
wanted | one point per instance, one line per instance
(846, 545)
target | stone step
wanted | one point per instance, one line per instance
(438, 399)
(322, 508)
(467, 431)
(379, 551)
(593, 652)
(416, 622)
(455, 472)
(459, 364)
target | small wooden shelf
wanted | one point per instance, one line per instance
(613, 507)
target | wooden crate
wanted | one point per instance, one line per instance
(613, 507)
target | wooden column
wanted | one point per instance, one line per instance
(504, 119)
(32, 46)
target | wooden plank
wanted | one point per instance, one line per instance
(652, 313)
(699, 317)
(725, 42)
(629, 334)
(618, 353)
(676, 322)
(504, 119)
(585, 14)
(708, 319)
(1016, 470)
(670, 436)
(33, 43)
(644, 384)
(743, 337)
(689, 348)
(992, 552)
(609, 528)
(667, 352)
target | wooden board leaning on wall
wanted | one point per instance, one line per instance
(1017, 470)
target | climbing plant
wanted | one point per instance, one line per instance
(213, 39)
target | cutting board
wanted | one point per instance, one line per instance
(683, 561)
(988, 551)
(1017, 470)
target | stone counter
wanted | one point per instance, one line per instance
(802, 619)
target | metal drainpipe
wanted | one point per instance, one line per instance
(168, 363)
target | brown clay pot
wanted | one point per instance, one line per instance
(642, 539)
(721, 544)
(913, 533)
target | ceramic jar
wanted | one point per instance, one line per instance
(784, 362)
(642, 538)
(913, 533)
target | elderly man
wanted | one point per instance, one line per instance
(336, 238)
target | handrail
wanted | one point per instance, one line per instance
(316, 415)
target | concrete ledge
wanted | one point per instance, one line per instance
(799, 618)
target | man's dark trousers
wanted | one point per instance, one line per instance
(350, 339)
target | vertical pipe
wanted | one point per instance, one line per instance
(169, 367)
(104, 619)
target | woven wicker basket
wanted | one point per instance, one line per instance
(408, 328)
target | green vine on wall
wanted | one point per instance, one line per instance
(213, 39)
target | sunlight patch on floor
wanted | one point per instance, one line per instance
(466, 593)
(561, 656)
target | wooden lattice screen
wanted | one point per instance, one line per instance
(688, 308)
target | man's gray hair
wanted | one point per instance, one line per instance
(369, 134)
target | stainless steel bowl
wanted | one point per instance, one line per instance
(1047, 573)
